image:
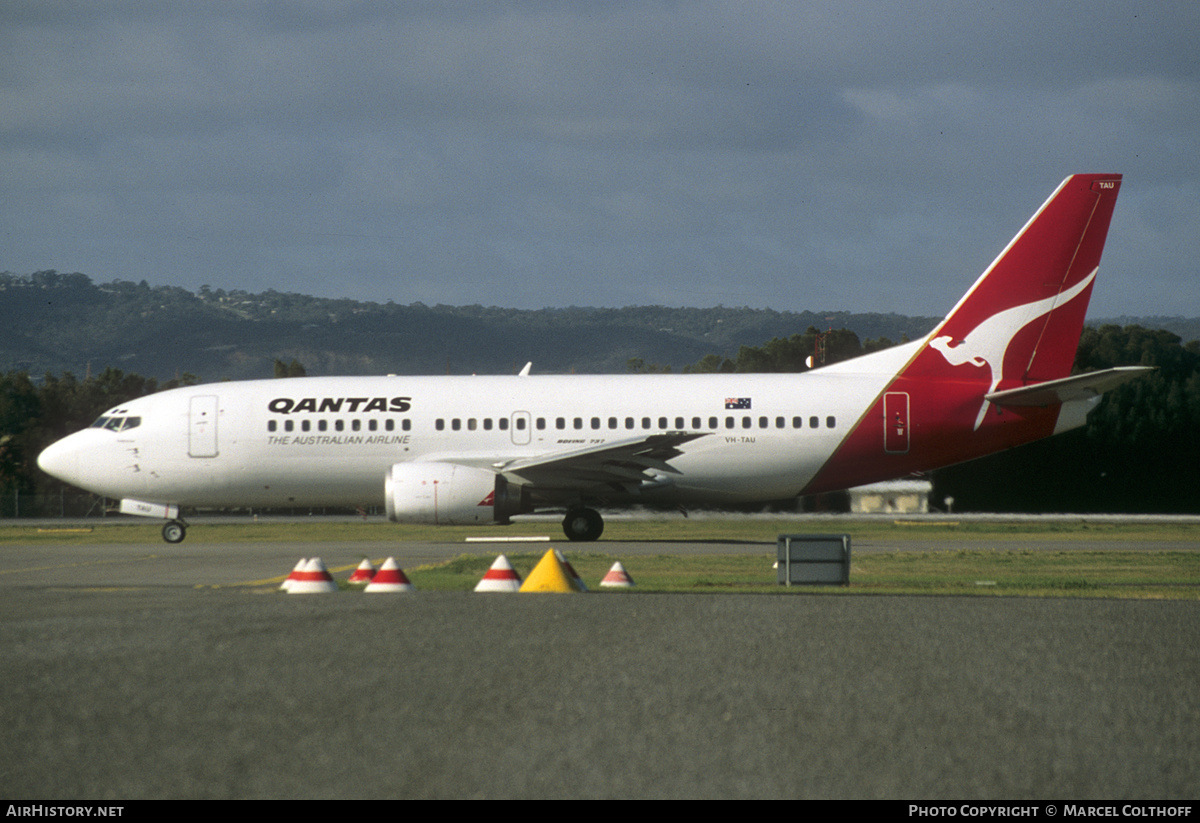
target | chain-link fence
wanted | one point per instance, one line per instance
(63, 504)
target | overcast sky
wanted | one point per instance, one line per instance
(865, 156)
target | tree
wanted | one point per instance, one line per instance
(293, 369)
(19, 413)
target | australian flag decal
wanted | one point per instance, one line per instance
(737, 402)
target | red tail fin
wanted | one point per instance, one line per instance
(1021, 321)
(1018, 325)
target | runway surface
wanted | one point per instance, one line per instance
(154, 671)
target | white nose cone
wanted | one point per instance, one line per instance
(61, 460)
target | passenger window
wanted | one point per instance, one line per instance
(595, 422)
(270, 425)
(388, 425)
(560, 422)
(813, 422)
(406, 425)
(322, 425)
(629, 422)
(712, 422)
(305, 425)
(440, 424)
(831, 422)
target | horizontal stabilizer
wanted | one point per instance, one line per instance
(1079, 387)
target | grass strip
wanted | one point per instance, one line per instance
(1165, 575)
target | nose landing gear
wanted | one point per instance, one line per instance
(174, 531)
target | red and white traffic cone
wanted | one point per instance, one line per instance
(364, 573)
(299, 567)
(617, 578)
(390, 578)
(314, 578)
(501, 577)
(574, 575)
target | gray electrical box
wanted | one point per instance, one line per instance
(808, 559)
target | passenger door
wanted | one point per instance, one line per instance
(202, 426)
(896, 425)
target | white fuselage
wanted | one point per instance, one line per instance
(330, 441)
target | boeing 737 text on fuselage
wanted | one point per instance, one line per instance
(994, 374)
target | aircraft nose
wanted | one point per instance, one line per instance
(61, 460)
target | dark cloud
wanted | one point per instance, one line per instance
(857, 155)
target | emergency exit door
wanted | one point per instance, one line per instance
(521, 430)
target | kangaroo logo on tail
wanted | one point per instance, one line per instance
(987, 344)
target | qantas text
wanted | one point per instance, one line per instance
(333, 405)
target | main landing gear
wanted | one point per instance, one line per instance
(583, 524)
(174, 531)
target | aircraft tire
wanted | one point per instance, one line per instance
(583, 525)
(174, 531)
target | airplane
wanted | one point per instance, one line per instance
(476, 450)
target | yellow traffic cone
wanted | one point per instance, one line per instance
(549, 576)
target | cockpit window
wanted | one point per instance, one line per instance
(117, 424)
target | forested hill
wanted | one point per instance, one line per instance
(52, 322)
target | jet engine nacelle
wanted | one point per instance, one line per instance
(448, 494)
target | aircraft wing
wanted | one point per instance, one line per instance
(620, 465)
(1078, 387)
